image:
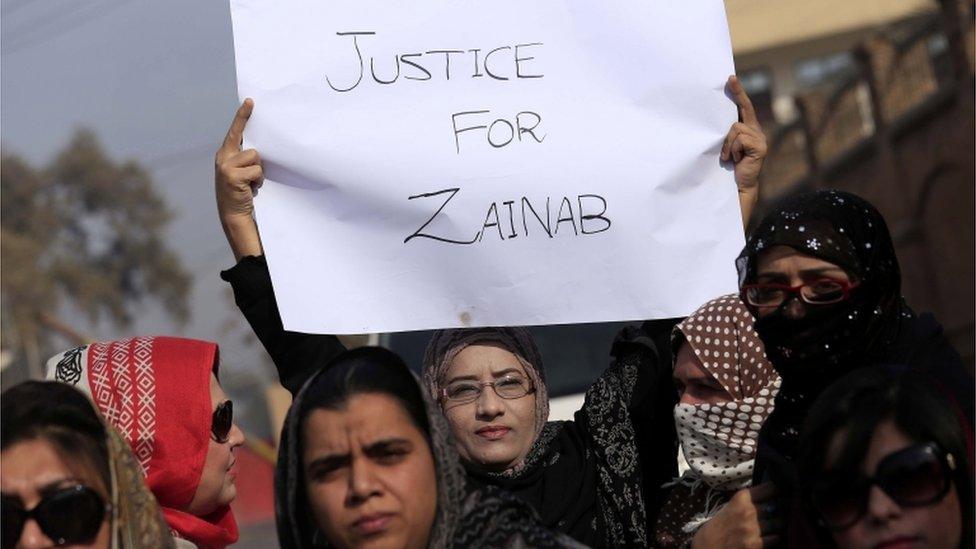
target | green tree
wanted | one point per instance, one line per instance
(84, 234)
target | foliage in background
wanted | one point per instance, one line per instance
(86, 234)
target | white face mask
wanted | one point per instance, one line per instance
(719, 440)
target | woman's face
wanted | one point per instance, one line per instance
(695, 385)
(492, 432)
(369, 474)
(32, 469)
(885, 524)
(785, 265)
(216, 487)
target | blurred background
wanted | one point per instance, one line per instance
(111, 111)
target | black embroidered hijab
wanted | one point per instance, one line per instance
(846, 230)
(464, 518)
(828, 341)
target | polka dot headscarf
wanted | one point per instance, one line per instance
(722, 336)
(719, 440)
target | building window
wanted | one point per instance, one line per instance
(758, 83)
(938, 49)
(816, 71)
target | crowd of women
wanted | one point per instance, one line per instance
(814, 408)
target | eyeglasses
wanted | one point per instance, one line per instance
(509, 387)
(68, 516)
(823, 291)
(223, 420)
(914, 477)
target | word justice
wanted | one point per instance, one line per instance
(501, 63)
(584, 215)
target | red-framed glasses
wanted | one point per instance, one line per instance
(822, 291)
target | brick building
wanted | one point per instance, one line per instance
(889, 117)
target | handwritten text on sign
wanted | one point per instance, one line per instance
(396, 137)
(497, 133)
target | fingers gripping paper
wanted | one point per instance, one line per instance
(434, 164)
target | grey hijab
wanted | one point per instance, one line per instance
(445, 345)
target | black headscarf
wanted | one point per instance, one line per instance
(846, 230)
(828, 341)
(465, 517)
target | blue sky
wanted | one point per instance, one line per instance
(156, 82)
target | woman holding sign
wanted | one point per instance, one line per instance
(597, 478)
(821, 276)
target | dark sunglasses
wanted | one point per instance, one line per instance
(223, 420)
(914, 477)
(68, 516)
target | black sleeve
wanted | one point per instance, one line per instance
(296, 356)
(652, 409)
(936, 356)
(629, 410)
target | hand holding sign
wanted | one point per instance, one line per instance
(238, 174)
(745, 144)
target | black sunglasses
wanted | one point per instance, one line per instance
(68, 516)
(914, 477)
(223, 420)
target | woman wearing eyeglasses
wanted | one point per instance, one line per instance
(598, 478)
(367, 461)
(67, 479)
(821, 277)
(162, 395)
(491, 387)
(593, 478)
(885, 463)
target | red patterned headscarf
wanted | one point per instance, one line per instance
(156, 392)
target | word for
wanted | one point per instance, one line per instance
(525, 123)
(581, 221)
(501, 63)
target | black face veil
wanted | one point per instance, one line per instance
(846, 230)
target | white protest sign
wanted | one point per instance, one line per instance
(458, 163)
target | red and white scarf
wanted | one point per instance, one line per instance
(156, 392)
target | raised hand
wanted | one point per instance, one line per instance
(745, 145)
(238, 175)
